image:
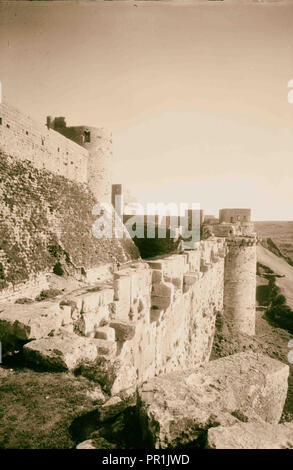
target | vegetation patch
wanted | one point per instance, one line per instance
(37, 409)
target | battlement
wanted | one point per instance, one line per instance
(242, 241)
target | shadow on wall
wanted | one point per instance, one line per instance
(151, 247)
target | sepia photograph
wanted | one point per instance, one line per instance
(146, 228)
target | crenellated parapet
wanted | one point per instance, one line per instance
(241, 241)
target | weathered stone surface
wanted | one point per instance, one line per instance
(177, 407)
(252, 436)
(96, 395)
(125, 378)
(104, 347)
(97, 443)
(105, 332)
(122, 289)
(113, 376)
(161, 302)
(123, 331)
(88, 322)
(164, 289)
(86, 445)
(61, 352)
(30, 321)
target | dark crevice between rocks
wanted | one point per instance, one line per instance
(15, 359)
(199, 443)
(82, 426)
(120, 432)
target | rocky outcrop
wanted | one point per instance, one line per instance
(178, 408)
(252, 436)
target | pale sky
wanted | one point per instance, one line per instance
(196, 95)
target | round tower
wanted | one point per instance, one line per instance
(98, 142)
(240, 284)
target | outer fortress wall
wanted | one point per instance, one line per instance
(23, 138)
(156, 317)
(240, 284)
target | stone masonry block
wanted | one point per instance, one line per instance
(164, 289)
(123, 331)
(105, 347)
(105, 332)
(29, 321)
(60, 352)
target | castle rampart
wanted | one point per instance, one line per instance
(158, 316)
(98, 143)
(23, 138)
(81, 154)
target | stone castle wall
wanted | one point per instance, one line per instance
(234, 215)
(66, 152)
(156, 317)
(23, 138)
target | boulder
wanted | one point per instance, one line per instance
(96, 395)
(64, 352)
(252, 436)
(177, 408)
(30, 321)
(86, 445)
(97, 443)
(111, 375)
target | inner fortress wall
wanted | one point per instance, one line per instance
(23, 138)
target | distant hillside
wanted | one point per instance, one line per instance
(281, 270)
(280, 235)
(45, 226)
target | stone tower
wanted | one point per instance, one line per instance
(98, 142)
(240, 284)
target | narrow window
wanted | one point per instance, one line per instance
(0, 121)
(87, 136)
(26, 132)
(43, 141)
